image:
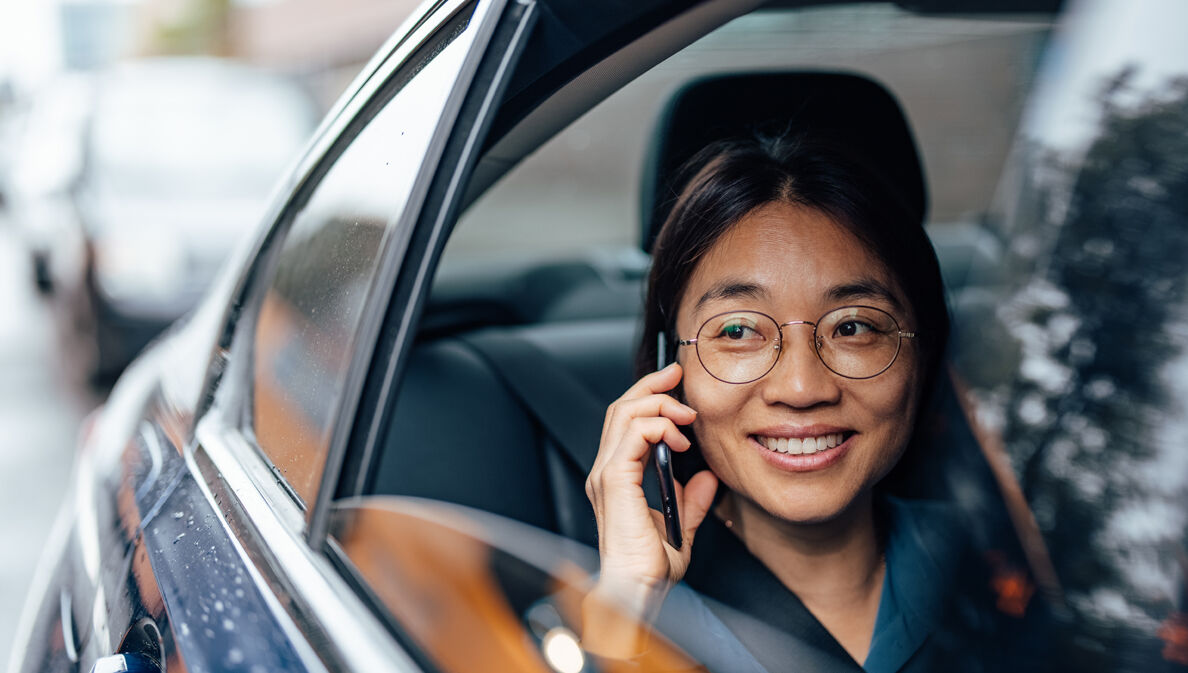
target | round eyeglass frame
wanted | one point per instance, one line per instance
(816, 342)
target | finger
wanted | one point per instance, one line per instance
(656, 404)
(639, 438)
(643, 418)
(652, 384)
(660, 381)
(696, 500)
(621, 413)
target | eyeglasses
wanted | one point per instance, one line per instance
(855, 342)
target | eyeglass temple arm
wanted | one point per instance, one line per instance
(686, 342)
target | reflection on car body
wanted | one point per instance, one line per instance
(365, 450)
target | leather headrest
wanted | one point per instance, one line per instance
(853, 109)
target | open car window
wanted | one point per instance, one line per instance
(541, 280)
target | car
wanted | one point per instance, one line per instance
(134, 185)
(366, 449)
(46, 142)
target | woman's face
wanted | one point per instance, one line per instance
(795, 263)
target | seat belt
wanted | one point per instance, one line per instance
(569, 412)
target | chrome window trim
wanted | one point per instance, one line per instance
(370, 82)
(405, 325)
(293, 189)
(322, 604)
(232, 394)
(487, 14)
(324, 616)
(408, 29)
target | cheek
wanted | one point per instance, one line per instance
(893, 408)
(718, 407)
(712, 399)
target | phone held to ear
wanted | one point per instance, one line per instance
(662, 455)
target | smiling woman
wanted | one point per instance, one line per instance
(790, 423)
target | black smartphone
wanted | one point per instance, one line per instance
(662, 455)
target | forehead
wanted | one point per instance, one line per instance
(795, 257)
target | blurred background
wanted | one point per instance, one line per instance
(105, 235)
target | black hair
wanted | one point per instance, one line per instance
(729, 179)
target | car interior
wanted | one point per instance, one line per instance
(504, 396)
(532, 322)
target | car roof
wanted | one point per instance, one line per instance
(581, 52)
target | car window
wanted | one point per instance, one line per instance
(320, 283)
(541, 281)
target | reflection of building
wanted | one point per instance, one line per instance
(326, 42)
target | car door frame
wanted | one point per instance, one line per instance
(282, 544)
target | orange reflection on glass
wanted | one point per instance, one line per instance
(1174, 634)
(460, 598)
(287, 430)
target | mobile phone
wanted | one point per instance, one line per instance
(662, 456)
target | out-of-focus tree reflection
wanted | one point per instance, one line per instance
(1096, 413)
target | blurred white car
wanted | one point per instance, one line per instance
(155, 171)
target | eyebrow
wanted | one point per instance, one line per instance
(732, 289)
(863, 288)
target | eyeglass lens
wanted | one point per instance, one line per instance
(853, 341)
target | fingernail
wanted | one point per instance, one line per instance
(670, 366)
(690, 409)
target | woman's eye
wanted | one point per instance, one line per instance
(852, 328)
(737, 331)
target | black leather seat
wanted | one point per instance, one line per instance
(461, 434)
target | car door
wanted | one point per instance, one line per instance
(303, 324)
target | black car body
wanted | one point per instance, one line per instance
(366, 449)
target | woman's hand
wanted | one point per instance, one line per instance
(637, 563)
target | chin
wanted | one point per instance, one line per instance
(804, 508)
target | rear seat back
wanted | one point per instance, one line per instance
(461, 434)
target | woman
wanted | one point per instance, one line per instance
(806, 308)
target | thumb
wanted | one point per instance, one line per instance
(698, 498)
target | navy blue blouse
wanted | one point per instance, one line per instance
(733, 614)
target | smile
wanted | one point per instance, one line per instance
(800, 446)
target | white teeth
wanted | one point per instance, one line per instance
(796, 447)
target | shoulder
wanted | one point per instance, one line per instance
(686, 619)
(929, 557)
(927, 530)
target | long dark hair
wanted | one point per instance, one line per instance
(730, 178)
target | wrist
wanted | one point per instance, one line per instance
(639, 597)
(617, 615)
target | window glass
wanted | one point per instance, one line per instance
(1075, 334)
(317, 295)
(549, 258)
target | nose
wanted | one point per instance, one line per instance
(800, 379)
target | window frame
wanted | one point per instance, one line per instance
(267, 524)
(232, 397)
